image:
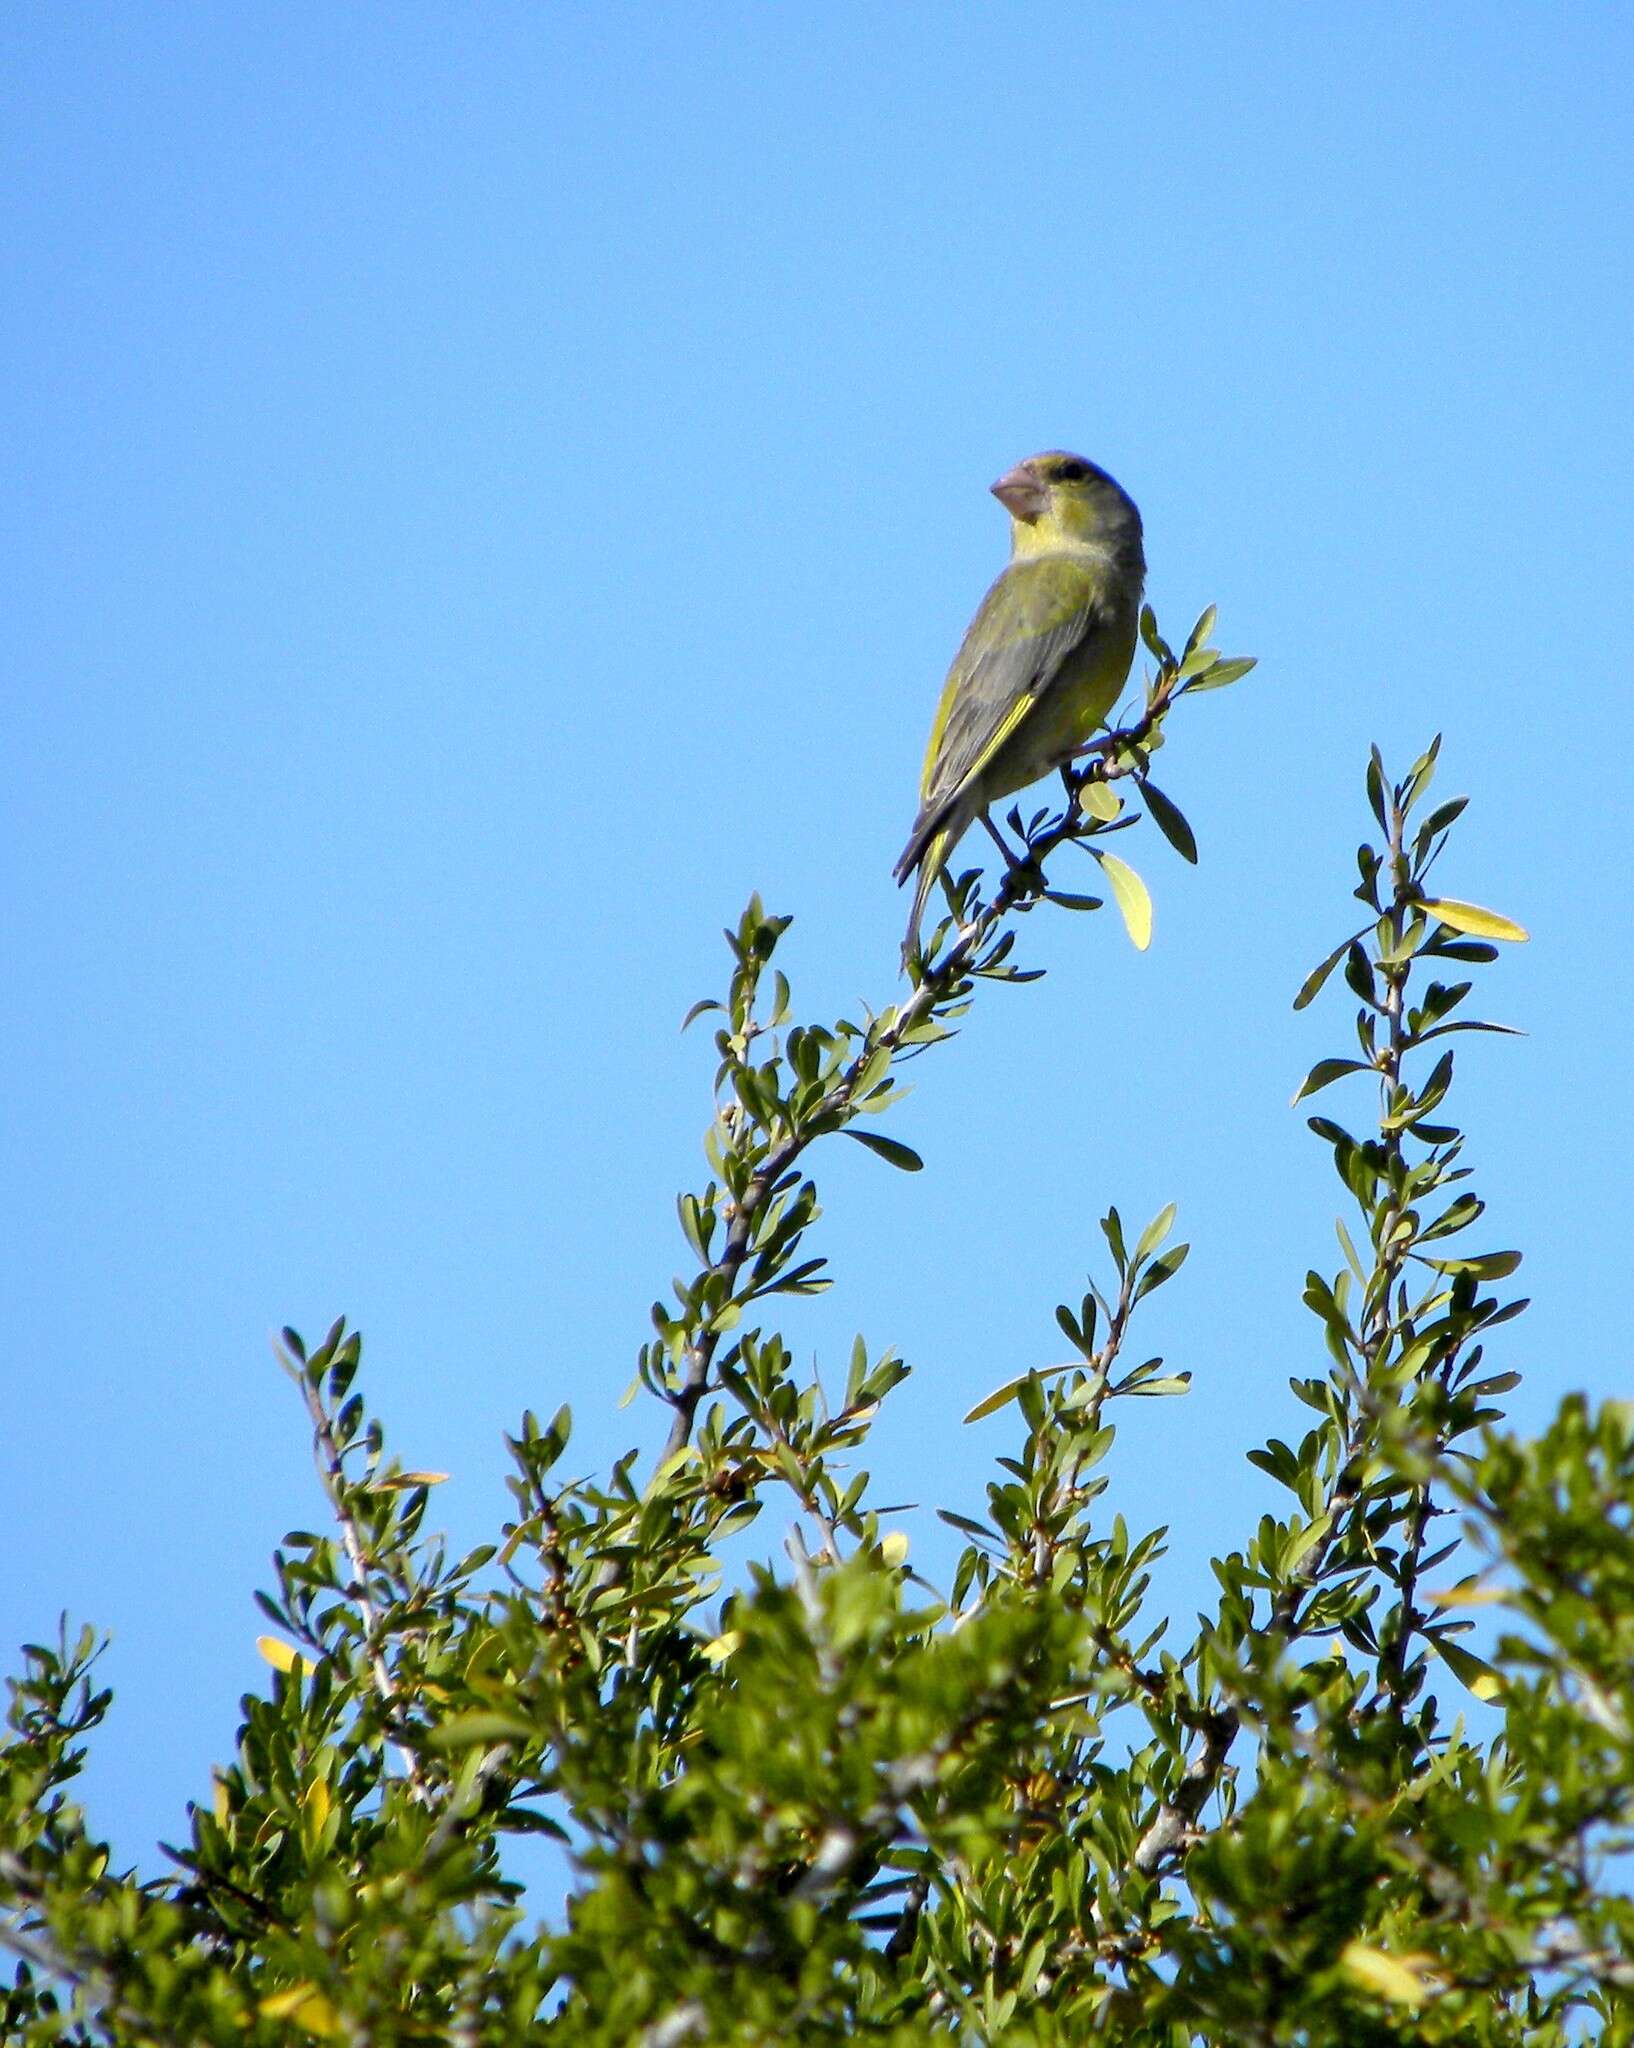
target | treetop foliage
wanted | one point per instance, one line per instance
(1381, 1791)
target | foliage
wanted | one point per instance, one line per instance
(818, 1800)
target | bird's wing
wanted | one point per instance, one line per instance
(1037, 612)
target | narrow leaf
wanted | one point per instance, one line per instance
(1001, 1397)
(1478, 1675)
(306, 2006)
(1132, 899)
(1170, 822)
(1325, 1072)
(1488, 1266)
(282, 1656)
(963, 1522)
(1396, 1979)
(1156, 1231)
(1471, 918)
(889, 1149)
(1313, 981)
(1223, 672)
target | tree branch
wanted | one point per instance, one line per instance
(941, 981)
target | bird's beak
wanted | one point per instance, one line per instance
(1021, 494)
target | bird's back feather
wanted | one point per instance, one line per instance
(1036, 616)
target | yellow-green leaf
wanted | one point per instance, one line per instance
(893, 1547)
(1474, 1671)
(282, 1656)
(465, 1731)
(675, 1462)
(399, 1480)
(1467, 1593)
(1398, 1979)
(1483, 1265)
(1100, 801)
(1471, 918)
(1132, 899)
(306, 2005)
(317, 1802)
(1156, 1231)
(1200, 632)
(1001, 1397)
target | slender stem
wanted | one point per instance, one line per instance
(939, 982)
(332, 1471)
(1176, 1818)
(1394, 1658)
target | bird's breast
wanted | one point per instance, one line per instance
(1077, 700)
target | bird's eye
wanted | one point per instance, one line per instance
(1072, 471)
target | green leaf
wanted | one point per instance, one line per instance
(1397, 1982)
(1068, 901)
(1469, 1024)
(964, 1524)
(1485, 1266)
(1312, 984)
(1156, 1231)
(1438, 821)
(1000, 1397)
(1132, 899)
(1349, 1250)
(1471, 918)
(1153, 638)
(1324, 1073)
(1100, 800)
(1420, 775)
(1223, 672)
(1170, 822)
(1375, 788)
(1476, 951)
(460, 1731)
(1200, 632)
(890, 1149)
(1475, 1672)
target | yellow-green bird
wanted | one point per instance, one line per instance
(1043, 661)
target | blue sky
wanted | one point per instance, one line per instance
(488, 488)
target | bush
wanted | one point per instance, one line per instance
(817, 1799)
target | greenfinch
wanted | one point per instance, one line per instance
(1043, 661)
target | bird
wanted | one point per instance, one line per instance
(1041, 664)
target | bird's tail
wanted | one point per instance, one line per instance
(931, 862)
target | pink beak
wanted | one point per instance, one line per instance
(1021, 494)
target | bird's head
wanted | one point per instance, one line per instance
(1057, 498)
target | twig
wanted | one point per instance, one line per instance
(940, 979)
(330, 1461)
(1175, 1826)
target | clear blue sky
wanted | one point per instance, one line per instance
(487, 488)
